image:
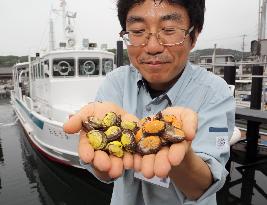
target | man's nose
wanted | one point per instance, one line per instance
(153, 45)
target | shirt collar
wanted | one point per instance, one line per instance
(180, 84)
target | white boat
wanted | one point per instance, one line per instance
(55, 85)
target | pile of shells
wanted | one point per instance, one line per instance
(113, 135)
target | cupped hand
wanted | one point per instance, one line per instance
(161, 163)
(104, 163)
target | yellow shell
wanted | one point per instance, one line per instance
(128, 125)
(97, 139)
(115, 148)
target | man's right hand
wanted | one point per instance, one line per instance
(106, 166)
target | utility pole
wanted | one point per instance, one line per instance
(262, 19)
(243, 46)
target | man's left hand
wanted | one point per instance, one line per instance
(161, 163)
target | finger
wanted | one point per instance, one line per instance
(102, 161)
(85, 150)
(74, 124)
(147, 168)
(116, 167)
(162, 164)
(176, 153)
(128, 160)
(189, 120)
(137, 162)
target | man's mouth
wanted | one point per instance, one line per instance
(154, 62)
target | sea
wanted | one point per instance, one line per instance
(27, 177)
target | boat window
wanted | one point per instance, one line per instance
(46, 69)
(63, 68)
(88, 66)
(107, 65)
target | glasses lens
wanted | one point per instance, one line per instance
(172, 36)
(135, 39)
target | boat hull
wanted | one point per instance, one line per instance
(47, 136)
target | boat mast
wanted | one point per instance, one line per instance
(51, 35)
(63, 6)
(68, 28)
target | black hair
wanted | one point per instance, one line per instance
(195, 10)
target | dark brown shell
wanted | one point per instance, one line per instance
(149, 145)
(128, 141)
(173, 134)
(92, 123)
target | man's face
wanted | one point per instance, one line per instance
(158, 64)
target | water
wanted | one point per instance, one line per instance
(26, 177)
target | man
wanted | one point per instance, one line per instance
(159, 36)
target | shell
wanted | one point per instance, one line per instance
(173, 134)
(113, 133)
(92, 123)
(115, 148)
(129, 125)
(111, 119)
(153, 127)
(169, 118)
(139, 135)
(128, 141)
(97, 139)
(149, 145)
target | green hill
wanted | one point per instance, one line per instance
(8, 61)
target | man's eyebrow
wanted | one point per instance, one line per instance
(134, 19)
(173, 17)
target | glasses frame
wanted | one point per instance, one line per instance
(156, 34)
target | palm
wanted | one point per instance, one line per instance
(158, 164)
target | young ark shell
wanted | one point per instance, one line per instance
(149, 145)
(153, 127)
(115, 148)
(113, 133)
(97, 139)
(173, 134)
(92, 123)
(128, 125)
(111, 119)
(128, 141)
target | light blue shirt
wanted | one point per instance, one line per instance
(198, 89)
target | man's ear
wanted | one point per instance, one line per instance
(195, 40)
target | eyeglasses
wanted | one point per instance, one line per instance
(173, 36)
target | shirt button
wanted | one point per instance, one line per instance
(148, 108)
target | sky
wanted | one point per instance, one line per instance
(24, 24)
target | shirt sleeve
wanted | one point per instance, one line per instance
(216, 125)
